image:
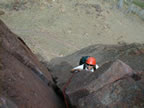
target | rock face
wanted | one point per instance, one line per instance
(113, 85)
(6, 103)
(131, 54)
(18, 79)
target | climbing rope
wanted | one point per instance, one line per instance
(65, 86)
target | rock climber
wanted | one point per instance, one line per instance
(88, 65)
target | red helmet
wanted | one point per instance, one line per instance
(91, 61)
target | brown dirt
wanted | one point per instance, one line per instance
(61, 27)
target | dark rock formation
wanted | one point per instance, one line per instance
(131, 54)
(61, 73)
(113, 85)
(6, 103)
(18, 79)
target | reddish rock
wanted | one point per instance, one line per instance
(112, 86)
(17, 75)
(6, 103)
(120, 94)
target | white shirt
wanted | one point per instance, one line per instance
(82, 66)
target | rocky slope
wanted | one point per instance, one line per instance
(113, 85)
(131, 54)
(116, 84)
(21, 87)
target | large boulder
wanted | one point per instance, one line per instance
(24, 80)
(131, 54)
(113, 85)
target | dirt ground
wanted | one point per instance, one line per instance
(60, 27)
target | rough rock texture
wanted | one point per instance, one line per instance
(109, 87)
(18, 79)
(93, 82)
(61, 73)
(114, 85)
(6, 103)
(120, 94)
(131, 54)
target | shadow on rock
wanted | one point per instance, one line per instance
(20, 75)
(113, 85)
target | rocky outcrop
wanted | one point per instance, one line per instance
(24, 80)
(131, 54)
(113, 85)
(116, 84)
